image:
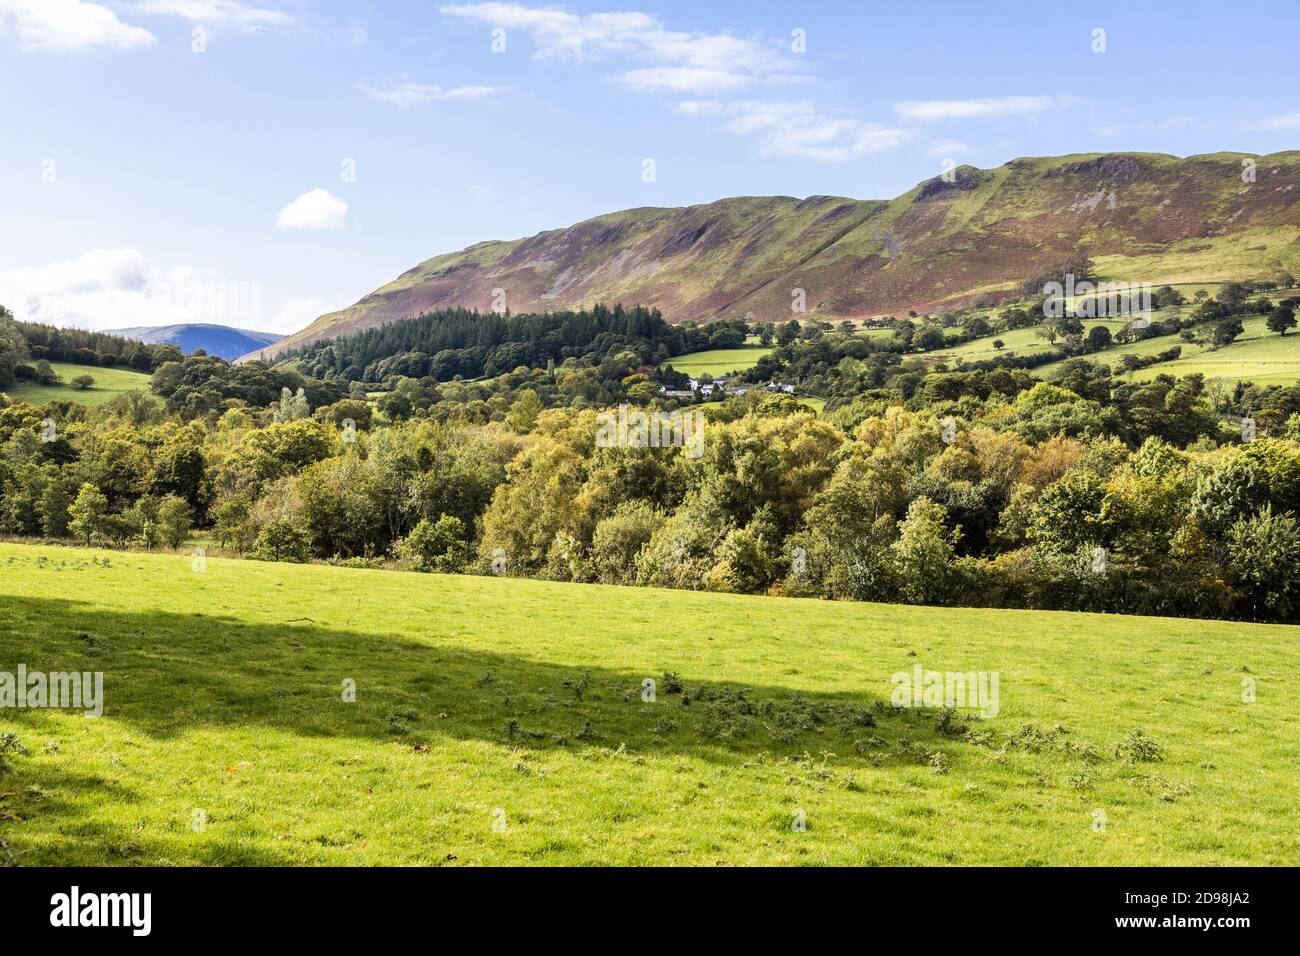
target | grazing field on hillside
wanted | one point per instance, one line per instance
(108, 382)
(1019, 341)
(503, 721)
(717, 362)
(1257, 355)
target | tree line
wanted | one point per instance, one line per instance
(27, 348)
(976, 487)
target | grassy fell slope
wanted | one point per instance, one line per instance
(477, 694)
(1142, 216)
(108, 383)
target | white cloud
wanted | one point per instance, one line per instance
(798, 128)
(696, 80)
(1279, 121)
(117, 288)
(217, 13)
(482, 192)
(933, 111)
(299, 313)
(406, 95)
(948, 147)
(708, 67)
(699, 63)
(67, 26)
(314, 209)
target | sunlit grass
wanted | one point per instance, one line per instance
(717, 362)
(479, 696)
(108, 382)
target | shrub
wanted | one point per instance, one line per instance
(1264, 558)
(281, 540)
(436, 545)
(173, 521)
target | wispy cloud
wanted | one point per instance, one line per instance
(694, 80)
(1279, 121)
(406, 95)
(679, 62)
(798, 128)
(217, 13)
(948, 147)
(708, 69)
(67, 26)
(934, 111)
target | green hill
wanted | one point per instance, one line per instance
(1142, 217)
(108, 382)
(225, 738)
(1258, 356)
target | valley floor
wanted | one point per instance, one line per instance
(502, 721)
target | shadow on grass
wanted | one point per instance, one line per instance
(166, 675)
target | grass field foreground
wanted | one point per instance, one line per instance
(503, 721)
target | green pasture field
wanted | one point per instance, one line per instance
(507, 721)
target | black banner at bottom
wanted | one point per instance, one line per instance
(335, 905)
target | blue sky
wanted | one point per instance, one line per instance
(285, 157)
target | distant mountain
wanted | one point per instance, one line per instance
(219, 340)
(1142, 217)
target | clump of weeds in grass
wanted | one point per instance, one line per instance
(1081, 779)
(952, 724)
(95, 646)
(787, 722)
(399, 722)
(1083, 750)
(10, 745)
(1162, 788)
(864, 744)
(580, 685)
(851, 784)
(1137, 747)
(806, 767)
(1033, 738)
(672, 684)
(728, 714)
(910, 750)
(524, 768)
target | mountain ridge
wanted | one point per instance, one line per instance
(947, 241)
(224, 341)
